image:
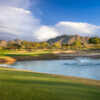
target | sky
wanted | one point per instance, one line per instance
(40, 20)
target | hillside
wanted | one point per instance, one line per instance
(68, 39)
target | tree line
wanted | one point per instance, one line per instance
(22, 44)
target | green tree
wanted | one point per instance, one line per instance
(57, 45)
(94, 40)
(13, 46)
(44, 45)
(77, 44)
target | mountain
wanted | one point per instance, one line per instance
(68, 39)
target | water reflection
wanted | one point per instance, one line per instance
(81, 67)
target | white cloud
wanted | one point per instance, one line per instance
(45, 33)
(21, 10)
(17, 21)
(66, 28)
(83, 29)
(16, 3)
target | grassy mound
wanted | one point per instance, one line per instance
(7, 60)
(23, 85)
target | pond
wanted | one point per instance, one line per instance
(80, 67)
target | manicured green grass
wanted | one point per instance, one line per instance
(13, 53)
(4, 54)
(22, 85)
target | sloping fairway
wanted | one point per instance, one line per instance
(23, 85)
